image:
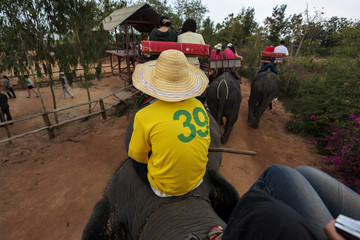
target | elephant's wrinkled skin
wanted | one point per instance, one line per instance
(130, 210)
(264, 88)
(224, 98)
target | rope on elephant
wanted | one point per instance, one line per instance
(171, 200)
(218, 89)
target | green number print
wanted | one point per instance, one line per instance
(187, 123)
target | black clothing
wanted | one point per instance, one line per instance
(157, 35)
(168, 36)
(259, 216)
(12, 91)
(4, 106)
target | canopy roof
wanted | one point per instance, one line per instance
(141, 16)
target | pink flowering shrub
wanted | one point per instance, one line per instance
(344, 151)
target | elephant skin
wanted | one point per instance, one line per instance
(130, 210)
(264, 88)
(224, 98)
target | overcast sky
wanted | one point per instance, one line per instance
(219, 9)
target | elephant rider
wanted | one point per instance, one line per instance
(171, 135)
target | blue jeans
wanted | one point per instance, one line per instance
(318, 197)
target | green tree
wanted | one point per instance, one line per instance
(231, 30)
(329, 37)
(208, 32)
(348, 44)
(186, 9)
(27, 37)
(277, 24)
(311, 29)
(77, 19)
(32, 29)
(248, 23)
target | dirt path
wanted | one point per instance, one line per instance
(49, 187)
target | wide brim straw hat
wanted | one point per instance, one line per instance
(170, 78)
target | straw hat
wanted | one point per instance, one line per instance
(170, 78)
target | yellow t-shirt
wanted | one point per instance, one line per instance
(178, 136)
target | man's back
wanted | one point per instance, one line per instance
(281, 49)
(178, 136)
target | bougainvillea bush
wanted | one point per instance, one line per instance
(343, 146)
(324, 102)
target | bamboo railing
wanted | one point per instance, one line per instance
(50, 127)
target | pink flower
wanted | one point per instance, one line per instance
(313, 142)
(357, 121)
(312, 117)
(352, 116)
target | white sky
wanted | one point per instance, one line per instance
(219, 9)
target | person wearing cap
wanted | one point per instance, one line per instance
(230, 52)
(216, 53)
(189, 35)
(8, 87)
(171, 135)
(64, 84)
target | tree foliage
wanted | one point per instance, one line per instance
(277, 24)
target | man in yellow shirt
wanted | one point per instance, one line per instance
(175, 128)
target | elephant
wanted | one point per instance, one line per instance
(223, 98)
(264, 88)
(130, 210)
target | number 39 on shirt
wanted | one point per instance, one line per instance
(194, 129)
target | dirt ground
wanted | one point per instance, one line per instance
(49, 187)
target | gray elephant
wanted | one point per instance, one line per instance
(264, 88)
(224, 98)
(130, 209)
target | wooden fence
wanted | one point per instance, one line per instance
(50, 127)
(43, 81)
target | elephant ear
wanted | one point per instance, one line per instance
(223, 196)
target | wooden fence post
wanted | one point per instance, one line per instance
(102, 107)
(48, 123)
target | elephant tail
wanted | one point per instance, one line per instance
(96, 228)
(218, 89)
(221, 97)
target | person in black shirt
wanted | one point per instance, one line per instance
(164, 33)
(4, 108)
